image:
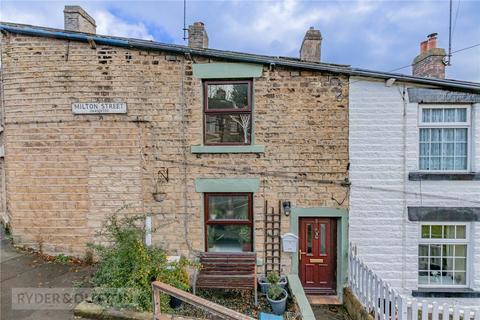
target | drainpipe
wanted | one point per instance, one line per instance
(404, 189)
(5, 215)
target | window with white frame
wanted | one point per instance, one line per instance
(444, 138)
(443, 255)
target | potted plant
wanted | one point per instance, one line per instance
(244, 239)
(277, 297)
(272, 278)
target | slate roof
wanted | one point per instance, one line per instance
(233, 56)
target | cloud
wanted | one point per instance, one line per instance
(378, 35)
(109, 24)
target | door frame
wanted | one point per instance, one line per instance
(341, 216)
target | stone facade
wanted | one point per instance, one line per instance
(66, 173)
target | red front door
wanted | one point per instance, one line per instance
(318, 246)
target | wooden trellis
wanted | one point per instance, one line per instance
(273, 222)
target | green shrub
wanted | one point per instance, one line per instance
(273, 277)
(275, 292)
(127, 267)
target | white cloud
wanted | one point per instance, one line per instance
(109, 24)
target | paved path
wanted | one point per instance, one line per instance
(20, 270)
(330, 312)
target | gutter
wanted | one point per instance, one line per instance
(234, 56)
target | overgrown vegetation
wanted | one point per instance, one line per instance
(127, 267)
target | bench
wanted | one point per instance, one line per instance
(221, 270)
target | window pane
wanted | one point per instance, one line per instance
(424, 135)
(228, 96)
(460, 250)
(423, 250)
(426, 232)
(437, 115)
(461, 135)
(436, 232)
(449, 232)
(309, 238)
(423, 277)
(447, 278)
(461, 115)
(460, 278)
(461, 232)
(229, 238)
(460, 163)
(447, 264)
(435, 250)
(448, 250)
(460, 264)
(225, 128)
(426, 115)
(449, 115)
(422, 263)
(228, 207)
(322, 239)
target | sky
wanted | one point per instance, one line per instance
(377, 35)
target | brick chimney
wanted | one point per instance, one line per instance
(77, 19)
(197, 36)
(311, 46)
(430, 62)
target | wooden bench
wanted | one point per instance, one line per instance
(227, 271)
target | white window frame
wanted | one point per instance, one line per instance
(459, 125)
(442, 241)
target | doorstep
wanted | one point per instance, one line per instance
(318, 299)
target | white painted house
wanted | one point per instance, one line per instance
(415, 187)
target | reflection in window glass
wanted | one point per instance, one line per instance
(227, 128)
(229, 238)
(442, 260)
(309, 238)
(228, 96)
(228, 207)
(322, 239)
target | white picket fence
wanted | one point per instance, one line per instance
(385, 303)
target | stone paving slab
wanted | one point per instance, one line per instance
(330, 312)
(22, 270)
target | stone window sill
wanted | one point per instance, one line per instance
(445, 293)
(421, 176)
(228, 149)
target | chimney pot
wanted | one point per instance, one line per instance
(197, 36)
(311, 46)
(77, 19)
(430, 62)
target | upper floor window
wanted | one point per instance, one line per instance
(444, 138)
(228, 112)
(443, 254)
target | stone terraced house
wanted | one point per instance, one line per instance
(223, 151)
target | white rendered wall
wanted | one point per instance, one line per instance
(383, 150)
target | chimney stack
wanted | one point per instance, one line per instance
(430, 62)
(311, 46)
(197, 36)
(77, 19)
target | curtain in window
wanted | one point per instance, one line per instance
(443, 148)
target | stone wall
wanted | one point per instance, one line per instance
(66, 173)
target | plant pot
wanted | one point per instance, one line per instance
(159, 196)
(264, 284)
(175, 303)
(279, 306)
